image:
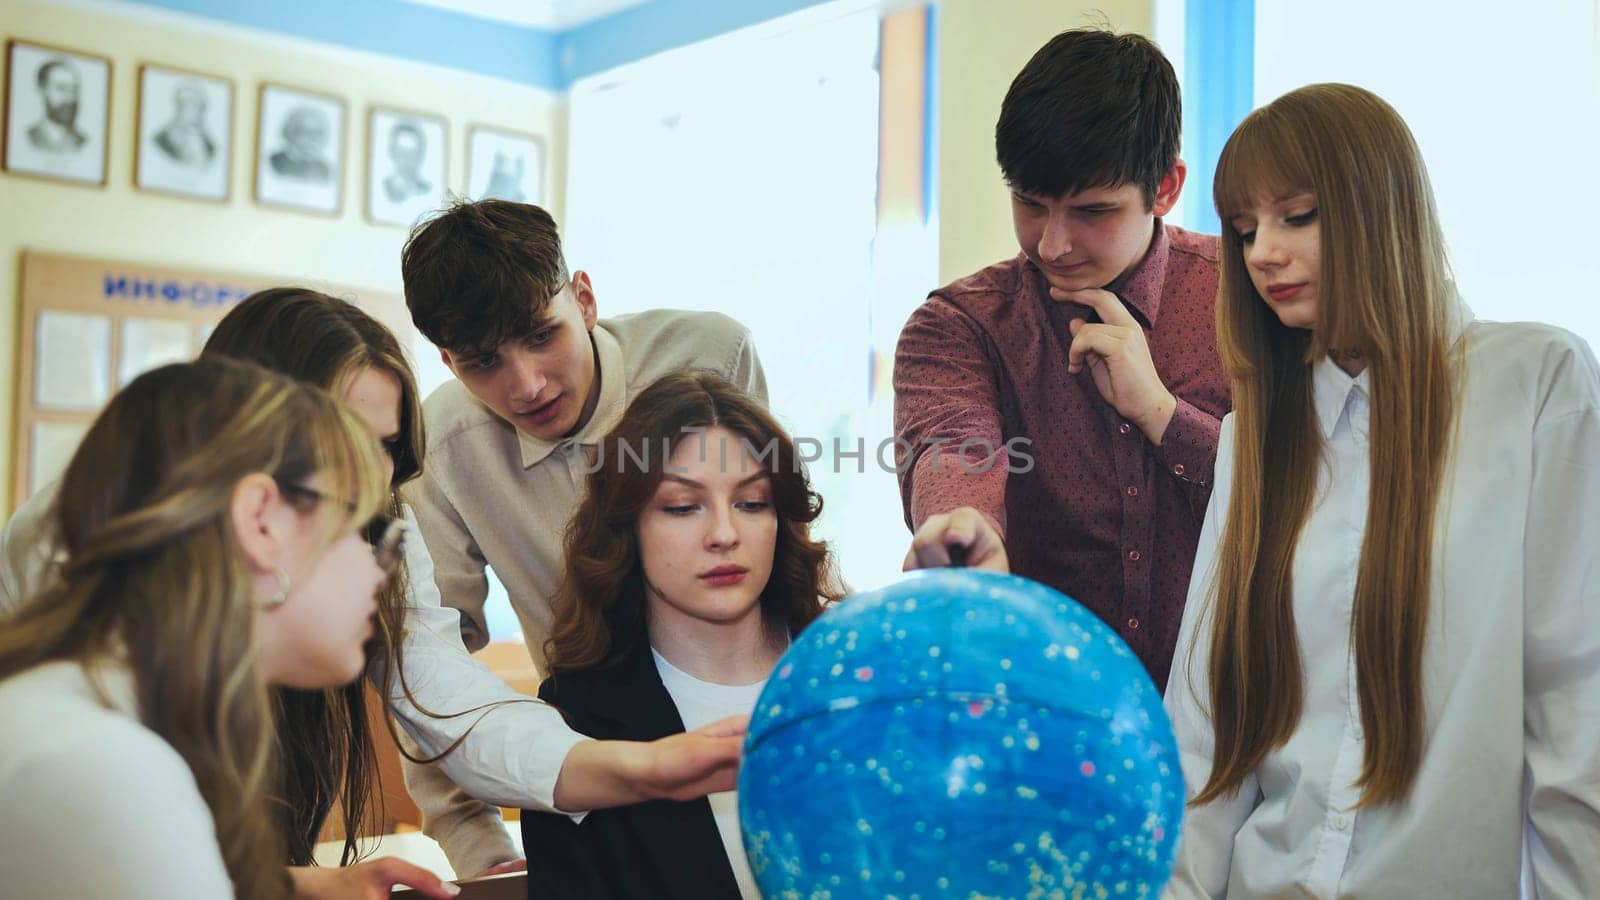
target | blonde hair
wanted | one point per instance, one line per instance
(152, 578)
(1385, 291)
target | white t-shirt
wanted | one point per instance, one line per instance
(92, 802)
(701, 703)
(442, 677)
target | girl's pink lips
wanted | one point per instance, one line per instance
(1282, 292)
(722, 576)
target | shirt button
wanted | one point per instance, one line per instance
(1341, 822)
(1124, 428)
(1133, 555)
(1133, 491)
(1177, 469)
(1133, 624)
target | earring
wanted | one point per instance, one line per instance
(277, 600)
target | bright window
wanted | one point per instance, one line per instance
(740, 175)
(1507, 112)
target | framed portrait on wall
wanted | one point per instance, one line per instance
(406, 171)
(57, 112)
(185, 142)
(505, 165)
(300, 150)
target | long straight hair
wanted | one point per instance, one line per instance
(1385, 291)
(152, 578)
(601, 609)
(327, 748)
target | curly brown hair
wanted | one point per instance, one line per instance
(600, 609)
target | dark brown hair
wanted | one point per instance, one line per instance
(600, 607)
(1090, 109)
(325, 744)
(482, 273)
(323, 340)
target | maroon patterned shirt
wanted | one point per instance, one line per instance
(1103, 516)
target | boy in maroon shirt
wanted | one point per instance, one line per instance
(1061, 408)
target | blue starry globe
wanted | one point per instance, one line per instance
(960, 734)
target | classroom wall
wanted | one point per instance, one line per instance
(121, 222)
(981, 45)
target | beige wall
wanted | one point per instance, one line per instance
(982, 44)
(120, 222)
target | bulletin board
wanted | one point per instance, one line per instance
(89, 326)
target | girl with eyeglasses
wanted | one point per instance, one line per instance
(460, 716)
(210, 536)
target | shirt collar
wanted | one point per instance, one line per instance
(1141, 287)
(612, 370)
(1332, 387)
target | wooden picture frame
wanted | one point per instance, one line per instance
(407, 172)
(183, 144)
(57, 121)
(505, 164)
(300, 149)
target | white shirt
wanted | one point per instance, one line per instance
(512, 757)
(701, 703)
(1511, 662)
(93, 803)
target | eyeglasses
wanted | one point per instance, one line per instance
(387, 535)
(384, 533)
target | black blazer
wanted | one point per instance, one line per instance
(658, 849)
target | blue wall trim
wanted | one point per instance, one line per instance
(657, 26)
(930, 119)
(404, 30)
(1219, 54)
(526, 55)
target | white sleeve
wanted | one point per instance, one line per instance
(122, 818)
(1205, 849)
(459, 578)
(1562, 639)
(471, 833)
(25, 549)
(514, 752)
